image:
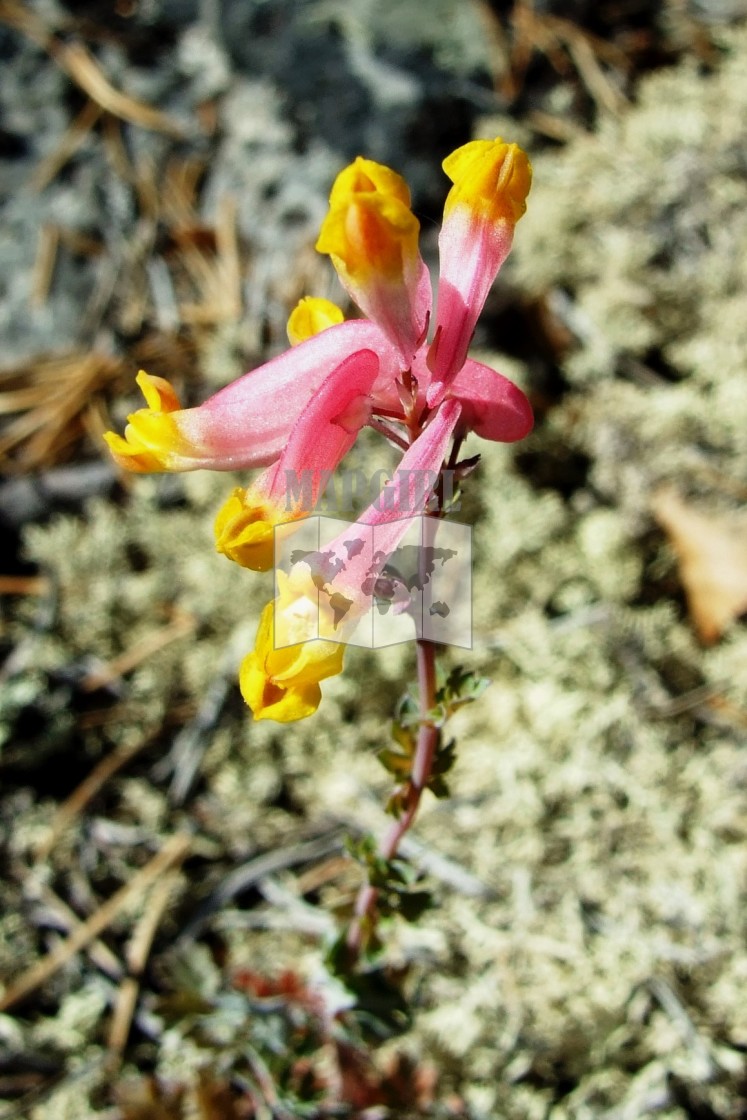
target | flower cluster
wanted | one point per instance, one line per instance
(302, 411)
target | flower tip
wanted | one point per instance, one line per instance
(507, 421)
(492, 406)
(310, 317)
(151, 440)
(282, 682)
(130, 455)
(491, 177)
(370, 235)
(522, 420)
(268, 700)
(364, 176)
(160, 395)
(244, 531)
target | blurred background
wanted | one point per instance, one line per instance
(170, 871)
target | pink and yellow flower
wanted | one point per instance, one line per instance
(371, 236)
(491, 182)
(320, 438)
(302, 635)
(301, 411)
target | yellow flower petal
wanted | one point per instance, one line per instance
(311, 316)
(160, 395)
(283, 684)
(491, 177)
(371, 236)
(364, 176)
(244, 530)
(152, 440)
(268, 700)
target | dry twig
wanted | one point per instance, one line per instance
(80, 65)
(74, 805)
(74, 136)
(179, 627)
(172, 853)
(101, 955)
(137, 953)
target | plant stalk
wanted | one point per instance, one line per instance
(422, 764)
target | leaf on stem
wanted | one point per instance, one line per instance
(460, 687)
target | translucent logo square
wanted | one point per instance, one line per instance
(340, 580)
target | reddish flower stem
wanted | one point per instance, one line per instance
(364, 913)
(388, 432)
(422, 763)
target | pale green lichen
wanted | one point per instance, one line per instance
(644, 224)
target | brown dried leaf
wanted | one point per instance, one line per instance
(215, 1100)
(712, 554)
(146, 1099)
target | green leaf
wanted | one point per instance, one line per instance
(407, 712)
(414, 904)
(337, 959)
(405, 737)
(460, 687)
(439, 787)
(402, 872)
(360, 848)
(395, 762)
(396, 802)
(445, 758)
(379, 873)
(382, 1008)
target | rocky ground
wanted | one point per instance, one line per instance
(171, 871)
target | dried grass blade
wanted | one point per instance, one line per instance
(81, 66)
(24, 585)
(52, 397)
(46, 257)
(72, 139)
(137, 953)
(150, 644)
(173, 852)
(86, 791)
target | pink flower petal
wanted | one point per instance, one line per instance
(492, 406)
(371, 236)
(491, 181)
(351, 554)
(290, 488)
(248, 423)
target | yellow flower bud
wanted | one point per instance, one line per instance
(365, 176)
(244, 530)
(311, 316)
(370, 235)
